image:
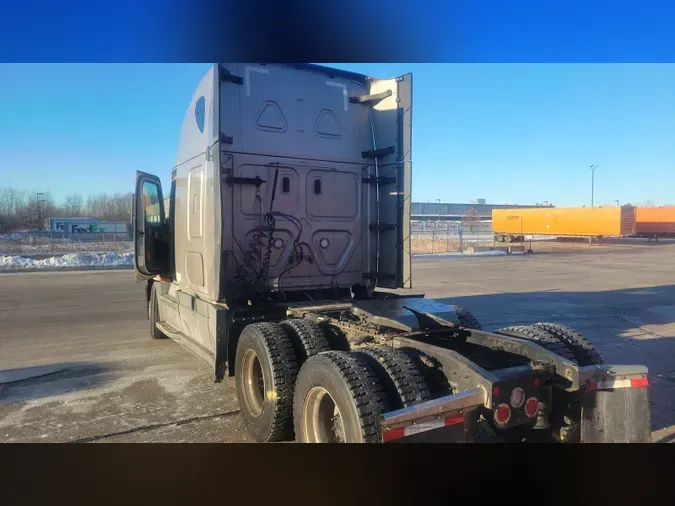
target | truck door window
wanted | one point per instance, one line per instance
(151, 204)
(200, 112)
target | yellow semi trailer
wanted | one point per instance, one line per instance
(512, 225)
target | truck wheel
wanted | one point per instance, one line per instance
(153, 314)
(567, 424)
(467, 319)
(582, 349)
(307, 337)
(541, 337)
(265, 372)
(403, 382)
(337, 340)
(338, 399)
(432, 371)
(551, 343)
(566, 416)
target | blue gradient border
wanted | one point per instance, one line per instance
(348, 31)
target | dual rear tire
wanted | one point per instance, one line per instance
(569, 344)
(341, 397)
(289, 382)
(265, 369)
(338, 399)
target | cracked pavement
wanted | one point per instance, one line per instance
(77, 363)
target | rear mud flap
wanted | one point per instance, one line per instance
(620, 415)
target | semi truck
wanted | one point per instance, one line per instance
(283, 261)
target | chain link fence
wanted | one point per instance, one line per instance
(426, 237)
(449, 236)
(38, 242)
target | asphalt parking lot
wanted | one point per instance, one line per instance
(77, 363)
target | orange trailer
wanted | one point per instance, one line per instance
(514, 224)
(655, 221)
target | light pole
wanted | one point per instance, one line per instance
(593, 167)
(38, 200)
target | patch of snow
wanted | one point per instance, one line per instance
(488, 253)
(474, 254)
(458, 254)
(19, 248)
(72, 260)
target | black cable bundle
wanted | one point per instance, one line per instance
(265, 233)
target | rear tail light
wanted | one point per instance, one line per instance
(531, 407)
(502, 414)
(517, 398)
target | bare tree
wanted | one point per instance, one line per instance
(115, 207)
(19, 209)
(471, 220)
(73, 205)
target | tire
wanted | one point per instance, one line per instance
(307, 337)
(582, 349)
(562, 340)
(337, 340)
(541, 337)
(153, 314)
(508, 238)
(567, 424)
(265, 371)
(432, 372)
(403, 382)
(338, 381)
(467, 319)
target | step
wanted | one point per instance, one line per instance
(170, 331)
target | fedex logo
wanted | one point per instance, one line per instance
(78, 228)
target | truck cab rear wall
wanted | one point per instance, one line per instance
(309, 163)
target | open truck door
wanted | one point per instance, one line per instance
(150, 228)
(391, 121)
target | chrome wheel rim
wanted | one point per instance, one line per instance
(253, 383)
(322, 417)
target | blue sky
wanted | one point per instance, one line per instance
(506, 133)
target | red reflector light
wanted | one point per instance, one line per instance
(531, 407)
(391, 435)
(613, 384)
(639, 382)
(502, 414)
(495, 391)
(416, 428)
(454, 420)
(537, 382)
